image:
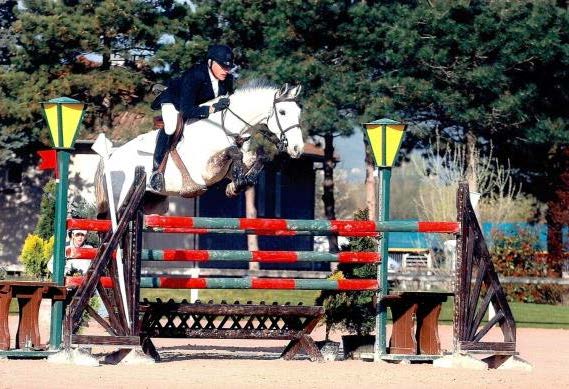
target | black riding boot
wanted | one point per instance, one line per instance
(162, 145)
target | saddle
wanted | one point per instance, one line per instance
(189, 187)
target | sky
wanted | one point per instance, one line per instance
(352, 155)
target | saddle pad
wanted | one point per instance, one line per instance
(146, 143)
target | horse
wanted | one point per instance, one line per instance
(210, 149)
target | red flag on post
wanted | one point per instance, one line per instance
(48, 160)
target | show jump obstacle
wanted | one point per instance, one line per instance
(476, 286)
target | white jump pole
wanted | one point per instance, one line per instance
(102, 146)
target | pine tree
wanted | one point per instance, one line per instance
(485, 73)
(92, 51)
(6, 37)
(302, 42)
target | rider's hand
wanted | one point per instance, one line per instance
(221, 104)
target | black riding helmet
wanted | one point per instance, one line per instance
(221, 54)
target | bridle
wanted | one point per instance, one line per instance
(280, 142)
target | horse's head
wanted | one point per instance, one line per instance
(284, 121)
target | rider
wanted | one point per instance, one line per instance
(200, 83)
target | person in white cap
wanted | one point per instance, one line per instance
(76, 240)
(75, 265)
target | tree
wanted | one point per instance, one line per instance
(301, 42)
(376, 45)
(45, 226)
(86, 50)
(482, 73)
(6, 37)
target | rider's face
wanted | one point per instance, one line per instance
(219, 71)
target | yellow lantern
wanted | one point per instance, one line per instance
(385, 137)
(63, 116)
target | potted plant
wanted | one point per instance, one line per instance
(352, 311)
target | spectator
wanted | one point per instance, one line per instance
(76, 266)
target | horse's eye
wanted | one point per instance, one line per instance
(282, 112)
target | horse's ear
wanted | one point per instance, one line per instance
(283, 91)
(294, 92)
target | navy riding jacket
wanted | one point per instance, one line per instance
(190, 90)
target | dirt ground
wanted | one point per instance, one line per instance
(256, 364)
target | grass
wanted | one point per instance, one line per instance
(526, 315)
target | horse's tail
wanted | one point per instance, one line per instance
(101, 200)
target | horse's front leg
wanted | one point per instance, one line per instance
(237, 173)
(255, 166)
(245, 172)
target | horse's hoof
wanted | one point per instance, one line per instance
(156, 183)
(230, 190)
(150, 189)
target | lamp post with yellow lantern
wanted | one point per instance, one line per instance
(385, 137)
(63, 116)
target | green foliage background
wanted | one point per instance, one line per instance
(45, 225)
(479, 72)
(495, 69)
(518, 256)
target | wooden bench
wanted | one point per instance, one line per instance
(415, 322)
(231, 321)
(29, 295)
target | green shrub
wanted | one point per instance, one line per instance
(535, 294)
(518, 255)
(352, 311)
(35, 255)
(45, 226)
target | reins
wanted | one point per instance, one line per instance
(239, 138)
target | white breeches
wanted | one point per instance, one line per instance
(170, 117)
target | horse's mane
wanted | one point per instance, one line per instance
(256, 84)
(254, 92)
(255, 87)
